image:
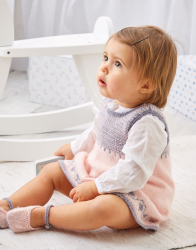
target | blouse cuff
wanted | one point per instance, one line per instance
(99, 188)
(73, 147)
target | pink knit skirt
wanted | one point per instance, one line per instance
(148, 206)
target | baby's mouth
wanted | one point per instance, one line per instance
(102, 82)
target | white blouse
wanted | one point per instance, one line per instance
(146, 141)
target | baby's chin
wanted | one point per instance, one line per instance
(105, 93)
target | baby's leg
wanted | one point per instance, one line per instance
(39, 190)
(105, 210)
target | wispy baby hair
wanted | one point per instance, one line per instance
(156, 59)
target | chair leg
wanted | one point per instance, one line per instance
(4, 71)
(87, 66)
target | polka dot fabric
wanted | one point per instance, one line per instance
(54, 80)
(182, 96)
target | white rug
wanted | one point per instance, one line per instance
(178, 232)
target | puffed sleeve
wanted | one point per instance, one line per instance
(86, 140)
(146, 141)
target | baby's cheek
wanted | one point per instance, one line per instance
(115, 86)
(97, 73)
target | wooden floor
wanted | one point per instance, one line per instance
(15, 100)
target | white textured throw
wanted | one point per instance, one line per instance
(178, 232)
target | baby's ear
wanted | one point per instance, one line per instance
(147, 87)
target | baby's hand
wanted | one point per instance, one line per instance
(84, 192)
(65, 150)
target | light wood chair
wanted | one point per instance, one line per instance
(86, 49)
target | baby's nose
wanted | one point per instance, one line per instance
(105, 69)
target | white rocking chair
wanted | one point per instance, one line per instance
(86, 49)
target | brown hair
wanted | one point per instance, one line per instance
(156, 58)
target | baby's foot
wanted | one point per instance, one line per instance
(22, 219)
(3, 223)
(37, 217)
(29, 218)
(4, 208)
(4, 205)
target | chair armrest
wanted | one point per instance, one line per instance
(55, 45)
(39, 164)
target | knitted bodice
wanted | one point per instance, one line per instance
(113, 127)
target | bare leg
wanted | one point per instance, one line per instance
(39, 190)
(104, 210)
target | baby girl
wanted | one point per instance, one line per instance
(117, 172)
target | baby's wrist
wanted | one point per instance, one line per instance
(95, 190)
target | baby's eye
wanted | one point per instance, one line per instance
(118, 64)
(105, 58)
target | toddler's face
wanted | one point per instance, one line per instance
(117, 76)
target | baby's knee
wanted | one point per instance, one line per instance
(49, 168)
(102, 206)
(50, 172)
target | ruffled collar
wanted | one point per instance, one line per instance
(117, 108)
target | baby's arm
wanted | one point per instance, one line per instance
(146, 142)
(84, 142)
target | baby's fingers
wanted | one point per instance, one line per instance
(75, 198)
(72, 193)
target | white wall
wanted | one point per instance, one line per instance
(57, 17)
